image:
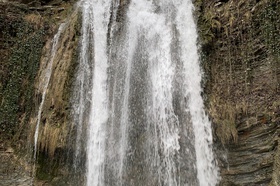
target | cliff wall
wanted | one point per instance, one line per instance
(240, 54)
(26, 36)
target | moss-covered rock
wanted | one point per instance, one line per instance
(240, 55)
(55, 123)
(26, 34)
(21, 43)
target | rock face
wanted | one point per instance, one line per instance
(26, 34)
(55, 126)
(22, 37)
(12, 172)
(240, 46)
(56, 106)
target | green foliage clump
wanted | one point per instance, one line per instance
(24, 43)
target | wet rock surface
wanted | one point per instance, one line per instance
(250, 161)
(242, 90)
(12, 172)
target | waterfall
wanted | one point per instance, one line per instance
(207, 173)
(96, 15)
(82, 92)
(43, 86)
(140, 74)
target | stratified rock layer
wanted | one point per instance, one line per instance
(240, 46)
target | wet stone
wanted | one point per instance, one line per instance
(12, 173)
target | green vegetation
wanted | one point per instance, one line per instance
(240, 55)
(25, 38)
(23, 43)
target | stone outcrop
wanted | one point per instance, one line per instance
(56, 126)
(26, 33)
(240, 47)
(56, 109)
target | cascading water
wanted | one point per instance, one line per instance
(96, 15)
(146, 121)
(44, 83)
(82, 92)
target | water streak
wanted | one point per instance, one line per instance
(206, 166)
(44, 83)
(82, 93)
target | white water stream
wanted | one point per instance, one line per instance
(43, 86)
(96, 15)
(44, 83)
(146, 123)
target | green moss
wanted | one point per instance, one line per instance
(17, 90)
